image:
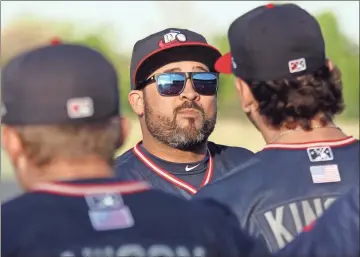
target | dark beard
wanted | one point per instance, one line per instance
(168, 132)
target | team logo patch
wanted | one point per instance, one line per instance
(81, 107)
(172, 37)
(297, 65)
(325, 174)
(108, 212)
(320, 154)
(104, 201)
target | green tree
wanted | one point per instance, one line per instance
(340, 49)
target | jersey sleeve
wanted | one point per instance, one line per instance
(335, 233)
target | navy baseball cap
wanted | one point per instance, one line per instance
(166, 46)
(59, 84)
(273, 42)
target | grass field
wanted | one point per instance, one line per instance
(228, 132)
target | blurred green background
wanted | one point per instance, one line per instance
(27, 30)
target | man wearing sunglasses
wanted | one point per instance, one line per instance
(174, 93)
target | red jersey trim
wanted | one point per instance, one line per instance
(81, 190)
(172, 179)
(332, 143)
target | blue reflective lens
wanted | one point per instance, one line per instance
(171, 84)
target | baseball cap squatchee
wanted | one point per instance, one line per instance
(166, 46)
(273, 42)
(59, 84)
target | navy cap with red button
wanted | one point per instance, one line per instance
(166, 46)
(59, 84)
(273, 41)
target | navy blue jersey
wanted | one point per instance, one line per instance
(181, 179)
(287, 186)
(335, 233)
(107, 217)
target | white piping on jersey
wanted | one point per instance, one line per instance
(83, 189)
(333, 143)
(172, 179)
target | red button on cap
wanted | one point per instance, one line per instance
(55, 41)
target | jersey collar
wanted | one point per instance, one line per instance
(296, 146)
(169, 177)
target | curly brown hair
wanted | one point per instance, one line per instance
(297, 101)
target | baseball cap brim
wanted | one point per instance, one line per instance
(198, 51)
(223, 64)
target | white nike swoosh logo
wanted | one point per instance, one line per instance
(191, 168)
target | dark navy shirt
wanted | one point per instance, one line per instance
(181, 179)
(112, 218)
(287, 186)
(335, 233)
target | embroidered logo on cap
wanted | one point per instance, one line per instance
(81, 107)
(172, 37)
(297, 65)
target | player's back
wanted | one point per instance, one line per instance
(111, 218)
(336, 233)
(287, 187)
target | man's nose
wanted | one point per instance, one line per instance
(189, 93)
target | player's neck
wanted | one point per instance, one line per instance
(89, 168)
(171, 154)
(299, 135)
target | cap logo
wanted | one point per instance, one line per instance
(172, 37)
(297, 65)
(80, 107)
(233, 63)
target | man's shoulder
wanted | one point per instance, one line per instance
(236, 180)
(24, 212)
(128, 166)
(125, 158)
(230, 156)
(226, 149)
(26, 199)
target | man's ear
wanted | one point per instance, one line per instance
(245, 95)
(330, 64)
(11, 143)
(136, 100)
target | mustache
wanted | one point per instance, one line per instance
(189, 105)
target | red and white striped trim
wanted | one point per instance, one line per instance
(81, 190)
(332, 143)
(172, 179)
